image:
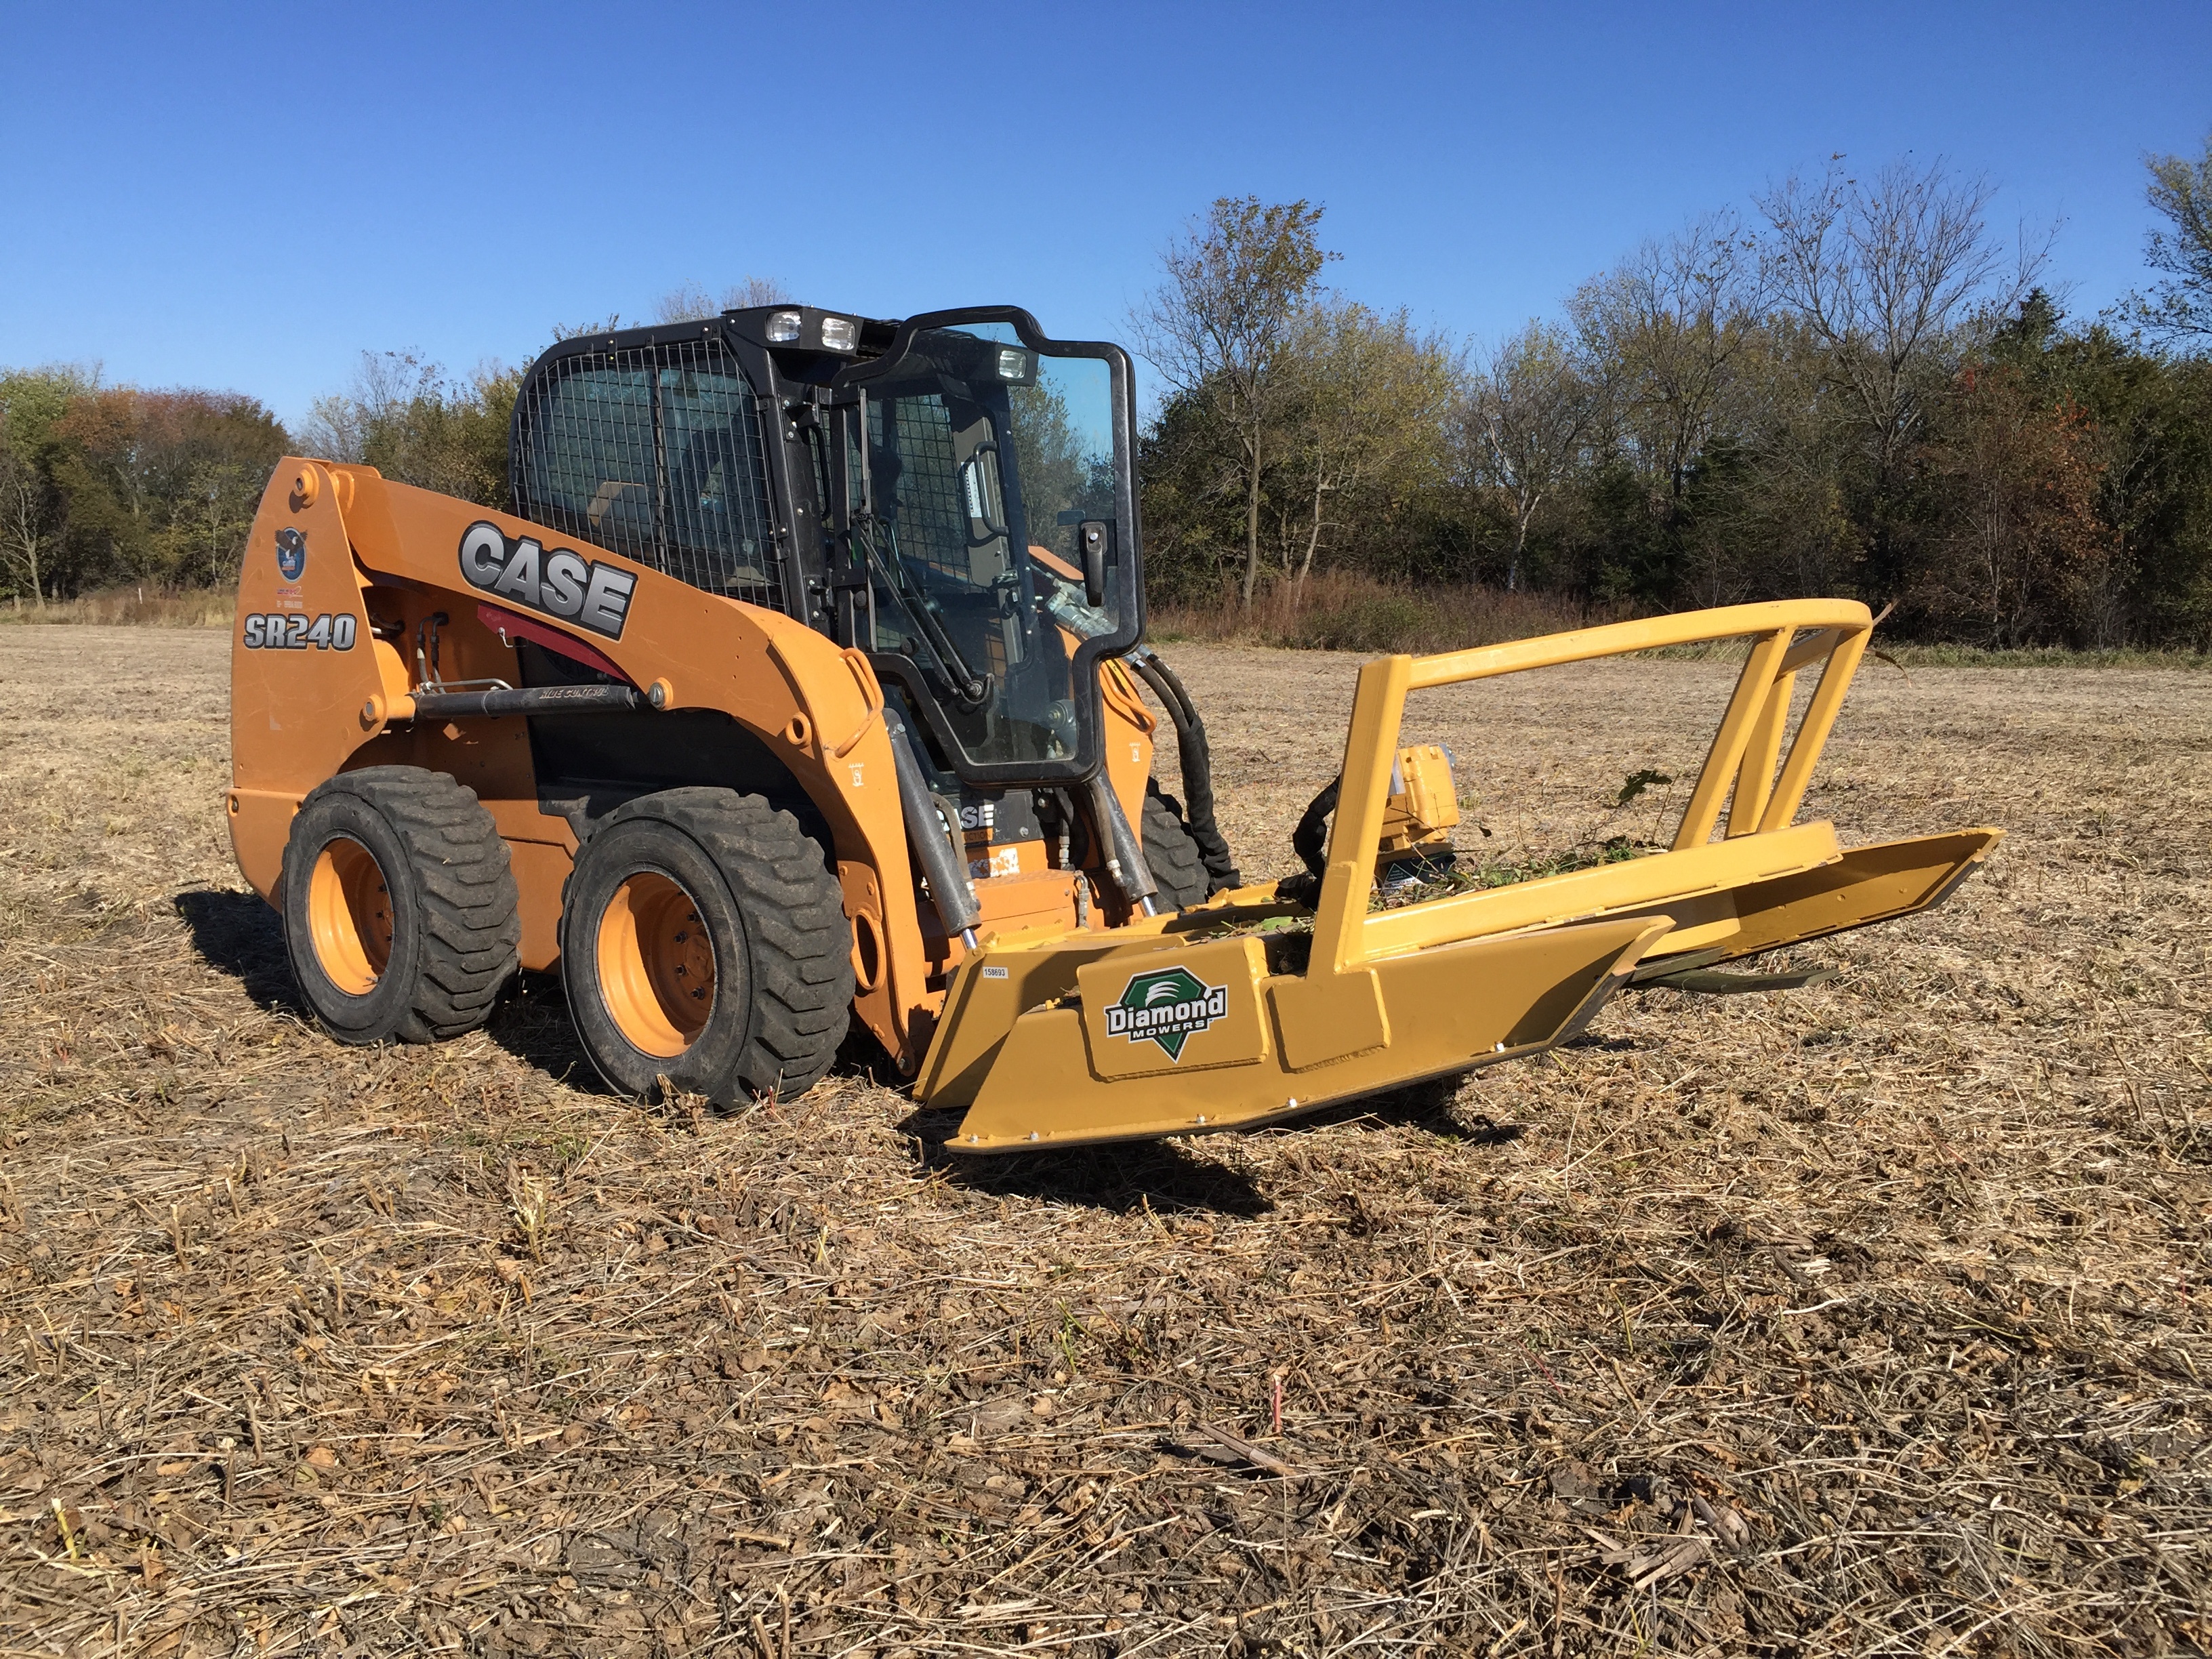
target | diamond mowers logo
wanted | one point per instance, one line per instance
(1167, 1006)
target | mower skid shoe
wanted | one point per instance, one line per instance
(1185, 1039)
(1880, 882)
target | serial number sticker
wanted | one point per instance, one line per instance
(1002, 861)
(995, 973)
(272, 632)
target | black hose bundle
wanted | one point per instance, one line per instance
(1309, 840)
(1197, 769)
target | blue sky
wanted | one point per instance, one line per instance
(247, 198)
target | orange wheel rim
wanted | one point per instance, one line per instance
(349, 916)
(656, 965)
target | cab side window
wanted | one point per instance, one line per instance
(654, 453)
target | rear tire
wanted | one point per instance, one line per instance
(399, 906)
(703, 940)
(1178, 867)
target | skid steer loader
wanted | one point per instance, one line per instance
(802, 684)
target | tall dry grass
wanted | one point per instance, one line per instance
(1349, 610)
(1335, 610)
(137, 607)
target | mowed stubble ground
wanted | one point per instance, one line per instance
(1870, 1317)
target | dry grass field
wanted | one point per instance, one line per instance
(1869, 1318)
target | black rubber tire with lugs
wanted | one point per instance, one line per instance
(1171, 852)
(457, 932)
(783, 948)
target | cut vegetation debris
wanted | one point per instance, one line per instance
(1865, 1318)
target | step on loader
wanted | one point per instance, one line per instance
(801, 685)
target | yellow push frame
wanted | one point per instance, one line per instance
(1740, 768)
(1439, 987)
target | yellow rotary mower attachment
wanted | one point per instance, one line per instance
(1223, 1017)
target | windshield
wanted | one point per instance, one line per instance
(988, 463)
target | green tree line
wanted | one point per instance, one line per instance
(105, 486)
(1853, 389)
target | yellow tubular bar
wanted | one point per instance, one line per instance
(1754, 778)
(1377, 706)
(1740, 766)
(1820, 719)
(1485, 662)
(1043, 1043)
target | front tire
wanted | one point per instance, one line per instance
(703, 940)
(1170, 852)
(399, 906)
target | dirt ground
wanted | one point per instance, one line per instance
(1871, 1317)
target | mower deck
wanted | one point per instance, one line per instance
(1204, 1021)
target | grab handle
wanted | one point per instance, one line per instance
(871, 694)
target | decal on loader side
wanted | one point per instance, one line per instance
(294, 632)
(1168, 1006)
(1003, 861)
(561, 583)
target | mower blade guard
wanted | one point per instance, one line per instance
(1880, 882)
(1170, 1036)
(1172, 1025)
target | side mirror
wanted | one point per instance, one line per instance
(1095, 539)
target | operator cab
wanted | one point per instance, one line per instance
(953, 495)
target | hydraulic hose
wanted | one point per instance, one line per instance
(1309, 840)
(950, 888)
(1125, 857)
(1197, 761)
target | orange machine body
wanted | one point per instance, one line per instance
(357, 592)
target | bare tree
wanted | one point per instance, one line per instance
(226, 491)
(1675, 320)
(1220, 329)
(340, 427)
(2180, 308)
(1533, 405)
(687, 302)
(607, 324)
(690, 302)
(409, 420)
(27, 529)
(1771, 518)
(1887, 274)
(1372, 399)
